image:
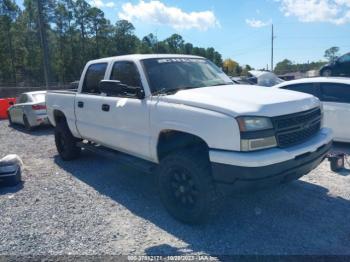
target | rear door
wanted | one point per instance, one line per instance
(336, 105)
(88, 104)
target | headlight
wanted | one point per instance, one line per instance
(254, 123)
(256, 133)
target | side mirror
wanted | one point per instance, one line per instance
(139, 92)
(110, 87)
(11, 103)
(116, 88)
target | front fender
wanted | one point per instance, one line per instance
(218, 130)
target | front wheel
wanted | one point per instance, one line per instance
(66, 143)
(186, 186)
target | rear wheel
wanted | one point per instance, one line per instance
(66, 143)
(26, 123)
(186, 186)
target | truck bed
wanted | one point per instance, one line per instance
(63, 101)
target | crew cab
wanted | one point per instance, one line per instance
(201, 134)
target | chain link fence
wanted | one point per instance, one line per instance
(14, 90)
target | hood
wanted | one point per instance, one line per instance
(238, 100)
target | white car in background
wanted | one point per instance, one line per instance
(334, 94)
(29, 110)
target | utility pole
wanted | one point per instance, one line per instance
(272, 40)
(156, 41)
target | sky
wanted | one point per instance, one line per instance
(241, 30)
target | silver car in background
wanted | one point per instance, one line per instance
(29, 110)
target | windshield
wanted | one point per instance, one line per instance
(165, 74)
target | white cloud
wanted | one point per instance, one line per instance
(158, 13)
(332, 11)
(100, 3)
(257, 23)
(110, 4)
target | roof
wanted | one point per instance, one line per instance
(340, 80)
(142, 56)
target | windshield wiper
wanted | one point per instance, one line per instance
(171, 91)
(165, 91)
(224, 84)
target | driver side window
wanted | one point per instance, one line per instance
(127, 73)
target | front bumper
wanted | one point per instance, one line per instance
(271, 166)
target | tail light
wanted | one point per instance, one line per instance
(38, 107)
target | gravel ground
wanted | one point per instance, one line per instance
(95, 206)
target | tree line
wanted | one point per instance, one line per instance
(287, 66)
(49, 41)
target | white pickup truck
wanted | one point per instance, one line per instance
(183, 117)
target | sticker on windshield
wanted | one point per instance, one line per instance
(177, 60)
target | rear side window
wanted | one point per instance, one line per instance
(332, 92)
(308, 88)
(23, 99)
(127, 73)
(94, 74)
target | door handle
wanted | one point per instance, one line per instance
(80, 104)
(105, 107)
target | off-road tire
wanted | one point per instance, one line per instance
(66, 143)
(196, 166)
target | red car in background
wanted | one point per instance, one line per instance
(5, 103)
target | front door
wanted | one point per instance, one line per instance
(126, 117)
